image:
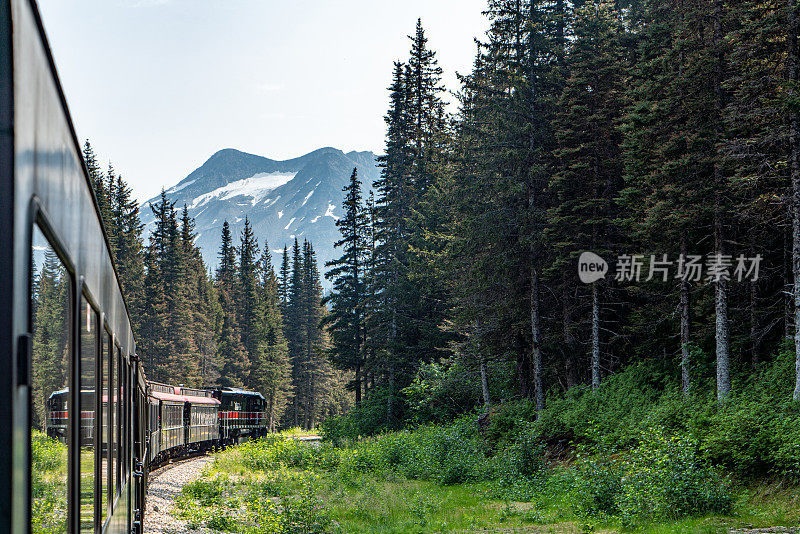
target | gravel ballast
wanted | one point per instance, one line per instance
(164, 486)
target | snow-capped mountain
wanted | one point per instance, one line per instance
(297, 198)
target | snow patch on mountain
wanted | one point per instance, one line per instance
(176, 188)
(329, 212)
(305, 200)
(256, 187)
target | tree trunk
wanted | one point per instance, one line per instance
(536, 352)
(595, 337)
(722, 334)
(753, 322)
(686, 380)
(788, 276)
(390, 396)
(536, 347)
(794, 140)
(485, 383)
(358, 384)
(476, 332)
(570, 366)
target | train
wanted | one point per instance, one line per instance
(179, 420)
(82, 424)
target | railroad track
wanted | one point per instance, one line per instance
(164, 486)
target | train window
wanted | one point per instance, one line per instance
(112, 423)
(50, 395)
(87, 413)
(125, 420)
(119, 363)
(105, 434)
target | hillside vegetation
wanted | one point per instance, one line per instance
(634, 455)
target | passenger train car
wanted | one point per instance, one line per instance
(74, 463)
(182, 420)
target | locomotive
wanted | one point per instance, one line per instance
(81, 423)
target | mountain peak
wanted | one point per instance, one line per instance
(295, 198)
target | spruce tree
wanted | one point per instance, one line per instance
(588, 180)
(271, 373)
(248, 306)
(346, 320)
(231, 355)
(284, 280)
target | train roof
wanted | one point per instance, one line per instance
(239, 391)
(167, 392)
(192, 399)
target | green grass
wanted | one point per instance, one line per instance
(280, 486)
(297, 432)
(48, 484)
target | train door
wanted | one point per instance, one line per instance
(187, 423)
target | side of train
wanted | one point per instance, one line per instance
(177, 421)
(67, 351)
(184, 420)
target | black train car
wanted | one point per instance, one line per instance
(58, 415)
(181, 420)
(242, 414)
(64, 324)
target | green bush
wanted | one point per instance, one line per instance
(48, 484)
(743, 436)
(505, 422)
(613, 414)
(206, 491)
(598, 485)
(47, 454)
(520, 462)
(275, 452)
(219, 519)
(665, 477)
(441, 391)
(445, 454)
(305, 514)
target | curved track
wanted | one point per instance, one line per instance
(164, 486)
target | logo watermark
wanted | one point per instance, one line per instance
(689, 267)
(591, 267)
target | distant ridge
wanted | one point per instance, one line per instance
(295, 198)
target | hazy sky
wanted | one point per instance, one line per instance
(160, 85)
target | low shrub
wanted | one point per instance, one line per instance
(665, 477)
(304, 514)
(222, 520)
(274, 452)
(205, 491)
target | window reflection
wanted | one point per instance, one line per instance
(50, 396)
(106, 428)
(119, 420)
(88, 403)
(113, 435)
